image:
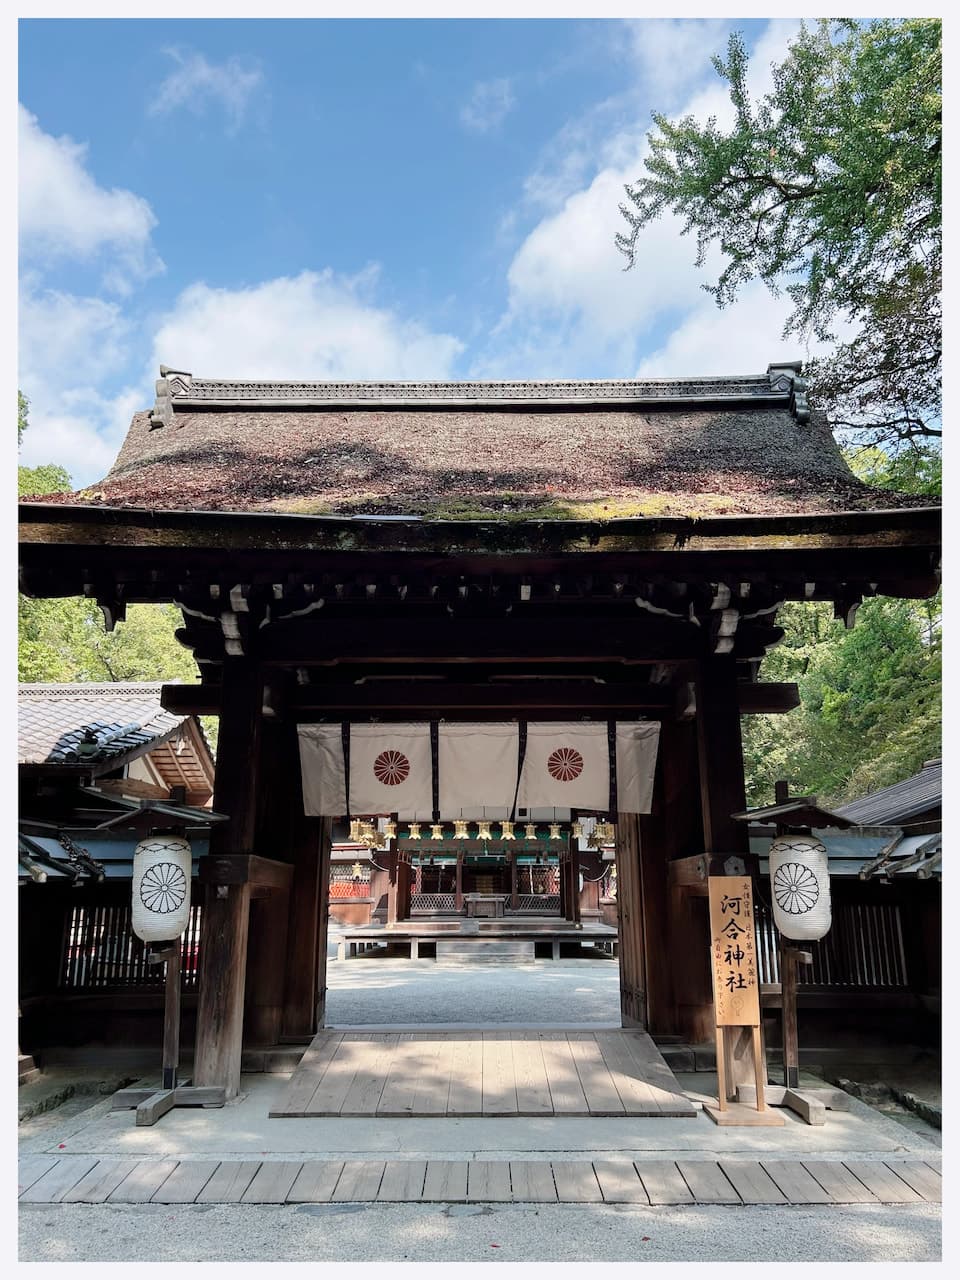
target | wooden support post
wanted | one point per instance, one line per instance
(721, 1070)
(677, 979)
(323, 925)
(788, 987)
(458, 892)
(722, 793)
(575, 882)
(633, 1003)
(223, 956)
(266, 956)
(306, 926)
(404, 876)
(514, 890)
(171, 1019)
(223, 965)
(393, 887)
(720, 752)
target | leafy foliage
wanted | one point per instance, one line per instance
(829, 186)
(64, 641)
(869, 711)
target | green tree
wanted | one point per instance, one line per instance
(64, 641)
(870, 698)
(829, 187)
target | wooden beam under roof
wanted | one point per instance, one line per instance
(517, 699)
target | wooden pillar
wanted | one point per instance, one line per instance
(590, 893)
(223, 962)
(574, 873)
(458, 893)
(722, 793)
(633, 1004)
(223, 955)
(323, 876)
(678, 985)
(379, 886)
(403, 887)
(562, 882)
(514, 890)
(720, 752)
(306, 925)
(266, 970)
(393, 887)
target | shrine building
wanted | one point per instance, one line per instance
(492, 631)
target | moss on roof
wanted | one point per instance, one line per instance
(486, 461)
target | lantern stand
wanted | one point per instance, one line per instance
(166, 820)
(794, 816)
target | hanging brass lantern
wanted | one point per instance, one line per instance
(460, 831)
(484, 832)
(414, 832)
(355, 831)
(390, 830)
(554, 830)
(577, 831)
(506, 831)
(436, 831)
(606, 831)
(530, 831)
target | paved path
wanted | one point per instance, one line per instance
(47, 1179)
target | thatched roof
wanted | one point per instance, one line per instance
(694, 447)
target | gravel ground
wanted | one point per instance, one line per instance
(374, 988)
(471, 1233)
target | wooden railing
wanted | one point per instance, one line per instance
(102, 953)
(864, 948)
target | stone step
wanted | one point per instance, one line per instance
(484, 951)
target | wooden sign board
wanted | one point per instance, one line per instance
(733, 948)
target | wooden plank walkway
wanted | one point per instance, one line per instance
(483, 1073)
(86, 1180)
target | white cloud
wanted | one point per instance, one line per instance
(65, 214)
(316, 325)
(572, 309)
(69, 347)
(490, 103)
(197, 84)
(743, 338)
(673, 54)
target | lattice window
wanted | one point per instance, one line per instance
(344, 884)
(432, 902)
(102, 953)
(537, 903)
(864, 948)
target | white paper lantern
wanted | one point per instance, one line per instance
(161, 888)
(800, 887)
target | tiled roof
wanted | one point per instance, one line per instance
(896, 805)
(71, 724)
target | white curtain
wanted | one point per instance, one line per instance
(390, 769)
(321, 770)
(566, 765)
(637, 744)
(478, 768)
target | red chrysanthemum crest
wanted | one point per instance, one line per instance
(391, 768)
(565, 764)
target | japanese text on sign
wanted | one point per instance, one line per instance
(736, 990)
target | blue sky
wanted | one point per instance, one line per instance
(330, 198)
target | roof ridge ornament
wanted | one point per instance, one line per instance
(785, 376)
(181, 389)
(171, 382)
